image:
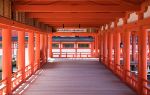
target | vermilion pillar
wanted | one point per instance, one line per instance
(114, 48)
(46, 47)
(133, 47)
(117, 49)
(101, 46)
(149, 45)
(127, 53)
(123, 45)
(99, 42)
(103, 54)
(42, 48)
(7, 59)
(143, 60)
(92, 49)
(21, 53)
(105, 48)
(96, 46)
(37, 50)
(50, 45)
(31, 50)
(139, 65)
(110, 47)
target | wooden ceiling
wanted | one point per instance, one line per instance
(74, 13)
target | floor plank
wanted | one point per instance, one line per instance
(77, 77)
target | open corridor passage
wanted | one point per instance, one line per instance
(77, 77)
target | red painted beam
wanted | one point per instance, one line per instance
(75, 15)
(75, 20)
(74, 34)
(61, 0)
(4, 22)
(84, 24)
(131, 2)
(74, 8)
(75, 26)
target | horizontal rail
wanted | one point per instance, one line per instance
(3, 87)
(72, 54)
(130, 78)
(17, 79)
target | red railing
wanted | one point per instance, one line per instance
(36, 66)
(146, 88)
(28, 71)
(72, 54)
(130, 78)
(17, 79)
(3, 87)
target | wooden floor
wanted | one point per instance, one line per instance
(77, 77)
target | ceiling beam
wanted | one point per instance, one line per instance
(126, 3)
(75, 26)
(76, 15)
(75, 20)
(114, 1)
(65, 0)
(76, 23)
(74, 34)
(74, 8)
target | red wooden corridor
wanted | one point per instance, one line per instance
(115, 32)
(76, 77)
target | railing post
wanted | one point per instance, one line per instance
(92, 49)
(6, 59)
(31, 50)
(37, 50)
(66, 54)
(50, 45)
(76, 49)
(21, 53)
(60, 50)
(80, 54)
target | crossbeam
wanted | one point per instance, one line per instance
(74, 8)
(73, 34)
(75, 20)
(64, 15)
